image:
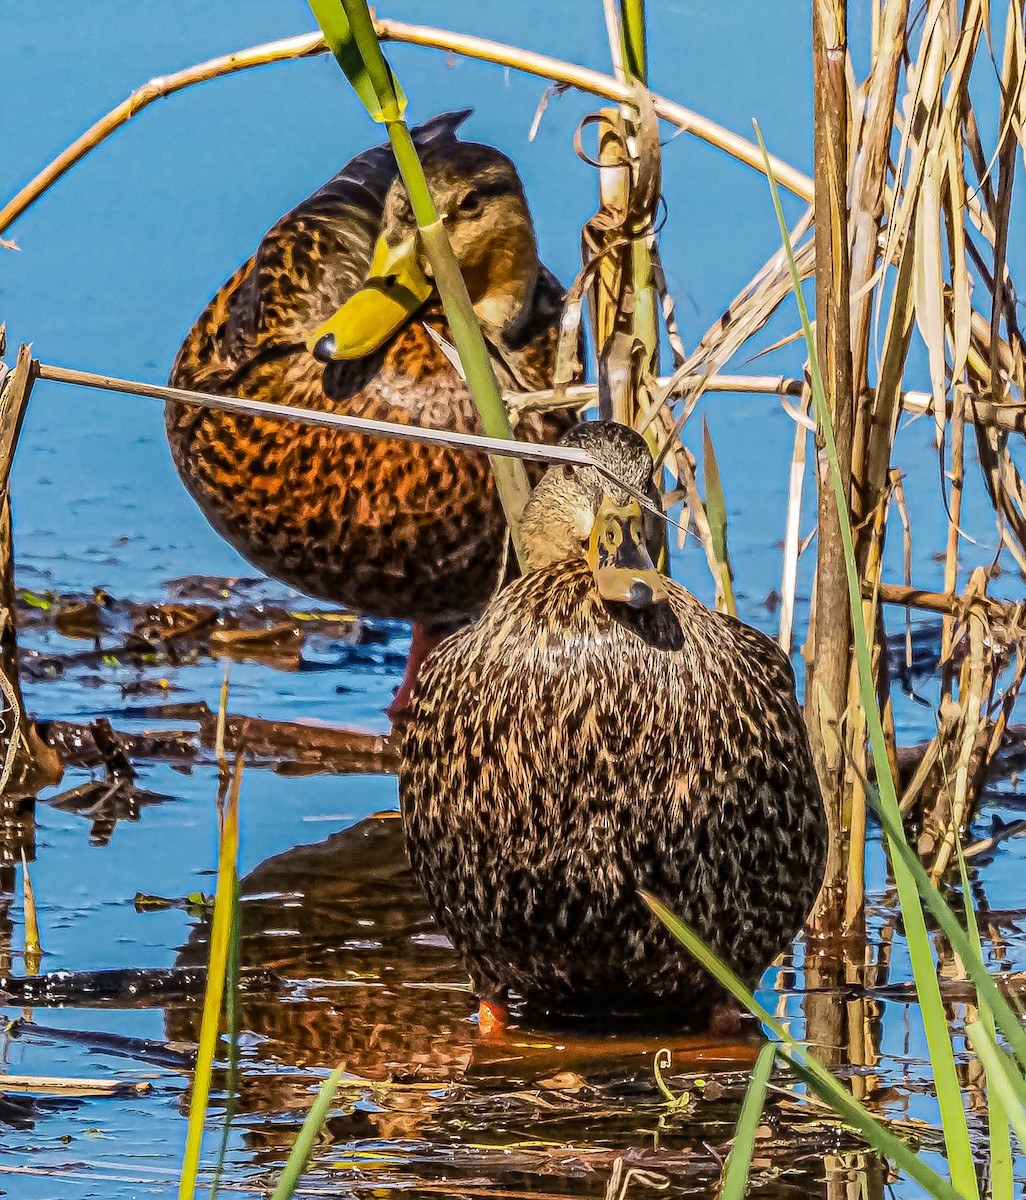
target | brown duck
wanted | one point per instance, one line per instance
(599, 731)
(408, 532)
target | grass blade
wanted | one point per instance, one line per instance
(817, 1077)
(297, 1160)
(716, 512)
(739, 1161)
(986, 988)
(33, 944)
(232, 1020)
(1002, 1076)
(220, 937)
(938, 1036)
(1002, 1182)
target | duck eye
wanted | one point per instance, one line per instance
(471, 202)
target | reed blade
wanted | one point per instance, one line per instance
(931, 1004)
(739, 1161)
(716, 512)
(296, 1164)
(217, 968)
(796, 1054)
(1002, 1180)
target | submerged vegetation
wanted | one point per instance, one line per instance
(919, 128)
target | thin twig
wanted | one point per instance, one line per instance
(54, 1085)
(531, 451)
(950, 605)
(309, 416)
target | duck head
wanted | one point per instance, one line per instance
(480, 200)
(578, 512)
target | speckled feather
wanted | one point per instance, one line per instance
(555, 764)
(388, 528)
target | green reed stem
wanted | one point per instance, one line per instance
(349, 31)
(635, 39)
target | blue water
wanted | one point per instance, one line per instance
(115, 263)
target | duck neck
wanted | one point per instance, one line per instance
(503, 284)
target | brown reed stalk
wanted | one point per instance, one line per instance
(623, 291)
(877, 97)
(617, 245)
(830, 654)
(28, 763)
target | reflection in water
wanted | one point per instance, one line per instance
(370, 982)
(374, 984)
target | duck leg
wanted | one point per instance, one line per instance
(726, 1019)
(493, 1016)
(420, 647)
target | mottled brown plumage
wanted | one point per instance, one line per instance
(555, 763)
(384, 527)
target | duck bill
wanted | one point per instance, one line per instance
(619, 559)
(395, 288)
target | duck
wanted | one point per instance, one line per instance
(599, 733)
(336, 310)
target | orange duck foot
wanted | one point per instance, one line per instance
(421, 646)
(492, 1019)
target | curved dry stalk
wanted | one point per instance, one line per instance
(163, 85)
(584, 395)
(311, 44)
(597, 84)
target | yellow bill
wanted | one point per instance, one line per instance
(395, 288)
(619, 557)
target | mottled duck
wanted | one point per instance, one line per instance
(600, 731)
(331, 312)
